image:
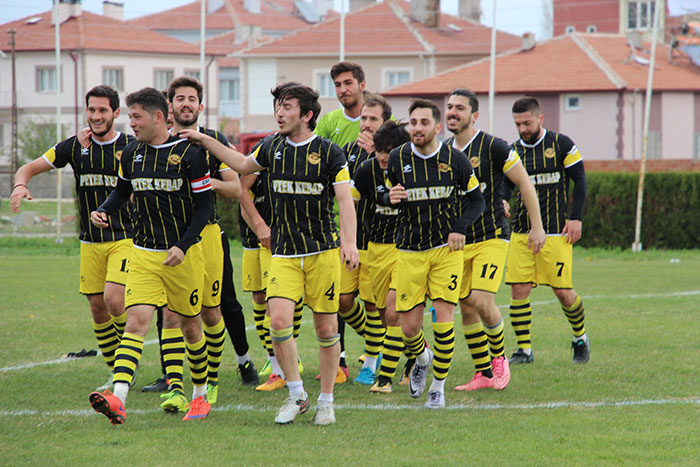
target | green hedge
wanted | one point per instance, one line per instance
(670, 213)
(228, 211)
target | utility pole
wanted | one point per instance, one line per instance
(13, 113)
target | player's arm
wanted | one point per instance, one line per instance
(518, 176)
(574, 224)
(229, 186)
(473, 206)
(348, 224)
(250, 214)
(114, 202)
(234, 159)
(397, 193)
(22, 177)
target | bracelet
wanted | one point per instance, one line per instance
(19, 184)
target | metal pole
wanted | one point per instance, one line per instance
(58, 119)
(637, 245)
(342, 31)
(492, 75)
(202, 37)
(13, 113)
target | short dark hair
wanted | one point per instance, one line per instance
(342, 67)
(279, 90)
(526, 104)
(425, 104)
(308, 101)
(150, 99)
(184, 82)
(104, 91)
(473, 101)
(390, 135)
(375, 100)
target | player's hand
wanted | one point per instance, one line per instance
(455, 241)
(175, 257)
(99, 219)
(262, 231)
(193, 135)
(349, 256)
(366, 142)
(506, 208)
(18, 194)
(572, 230)
(84, 137)
(535, 240)
(397, 194)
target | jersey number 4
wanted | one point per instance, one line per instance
(330, 293)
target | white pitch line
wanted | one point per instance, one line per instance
(384, 407)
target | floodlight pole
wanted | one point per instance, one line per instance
(637, 245)
(57, 18)
(341, 53)
(492, 72)
(202, 38)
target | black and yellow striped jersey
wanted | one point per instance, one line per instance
(546, 162)
(95, 169)
(260, 194)
(356, 155)
(490, 158)
(369, 185)
(302, 176)
(163, 179)
(434, 183)
(215, 165)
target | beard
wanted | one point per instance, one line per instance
(186, 121)
(100, 134)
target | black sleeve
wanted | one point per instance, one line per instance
(577, 173)
(117, 198)
(475, 205)
(507, 188)
(391, 177)
(202, 210)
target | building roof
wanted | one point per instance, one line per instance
(225, 44)
(383, 28)
(90, 31)
(275, 15)
(571, 63)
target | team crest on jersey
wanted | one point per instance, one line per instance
(84, 151)
(442, 167)
(118, 155)
(475, 162)
(314, 158)
(549, 153)
(174, 159)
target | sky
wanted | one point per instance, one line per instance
(514, 16)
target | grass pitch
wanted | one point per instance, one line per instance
(635, 402)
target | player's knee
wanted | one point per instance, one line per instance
(211, 316)
(259, 298)
(566, 296)
(345, 302)
(520, 291)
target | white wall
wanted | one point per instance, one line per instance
(594, 127)
(677, 125)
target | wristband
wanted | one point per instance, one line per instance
(18, 184)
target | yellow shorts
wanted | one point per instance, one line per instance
(351, 282)
(183, 283)
(436, 273)
(256, 269)
(213, 252)
(381, 270)
(552, 266)
(315, 277)
(484, 263)
(103, 262)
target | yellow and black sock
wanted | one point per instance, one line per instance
(415, 344)
(356, 317)
(374, 334)
(298, 314)
(444, 348)
(478, 347)
(127, 358)
(215, 336)
(393, 346)
(107, 340)
(173, 351)
(119, 324)
(259, 310)
(197, 359)
(495, 335)
(575, 315)
(268, 338)
(521, 320)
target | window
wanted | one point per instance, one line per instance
(640, 14)
(113, 77)
(194, 74)
(591, 28)
(396, 77)
(46, 79)
(570, 29)
(324, 84)
(163, 78)
(230, 90)
(572, 102)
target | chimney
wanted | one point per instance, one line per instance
(252, 6)
(213, 5)
(528, 41)
(426, 12)
(470, 9)
(357, 4)
(67, 9)
(114, 10)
